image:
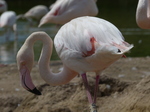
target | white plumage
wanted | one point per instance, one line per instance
(143, 14)
(8, 21)
(63, 11)
(85, 44)
(73, 39)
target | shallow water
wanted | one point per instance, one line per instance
(9, 49)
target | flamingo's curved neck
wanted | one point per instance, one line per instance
(143, 6)
(143, 13)
(62, 77)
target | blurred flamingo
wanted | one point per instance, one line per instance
(63, 11)
(51, 6)
(35, 13)
(8, 21)
(85, 44)
(143, 14)
(3, 6)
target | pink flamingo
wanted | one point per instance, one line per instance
(63, 11)
(143, 14)
(3, 6)
(85, 44)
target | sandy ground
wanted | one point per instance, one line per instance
(124, 87)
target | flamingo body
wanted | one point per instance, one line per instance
(3, 6)
(65, 10)
(8, 21)
(73, 41)
(85, 44)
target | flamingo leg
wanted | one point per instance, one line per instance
(96, 88)
(93, 105)
(8, 34)
(85, 81)
(91, 101)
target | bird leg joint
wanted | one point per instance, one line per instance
(93, 108)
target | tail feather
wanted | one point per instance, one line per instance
(124, 47)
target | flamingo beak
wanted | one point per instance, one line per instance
(35, 91)
(26, 81)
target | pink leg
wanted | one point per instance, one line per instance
(96, 88)
(85, 81)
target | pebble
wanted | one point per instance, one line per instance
(134, 68)
(121, 75)
(2, 89)
(17, 89)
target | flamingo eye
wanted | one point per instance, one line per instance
(119, 50)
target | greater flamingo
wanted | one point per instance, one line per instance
(65, 10)
(35, 13)
(143, 14)
(8, 21)
(3, 6)
(85, 44)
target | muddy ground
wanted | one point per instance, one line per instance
(124, 87)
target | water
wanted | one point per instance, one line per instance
(120, 14)
(9, 49)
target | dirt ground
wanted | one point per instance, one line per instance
(124, 87)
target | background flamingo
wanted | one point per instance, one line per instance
(63, 11)
(143, 14)
(85, 44)
(3, 6)
(8, 21)
(35, 13)
(51, 6)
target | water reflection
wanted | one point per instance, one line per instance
(134, 31)
(8, 50)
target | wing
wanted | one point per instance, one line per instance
(84, 35)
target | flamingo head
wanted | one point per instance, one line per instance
(24, 63)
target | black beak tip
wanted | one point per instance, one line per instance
(35, 91)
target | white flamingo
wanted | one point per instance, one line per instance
(143, 14)
(85, 44)
(35, 13)
(8, 21)
(3, 6)
(65, 10)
